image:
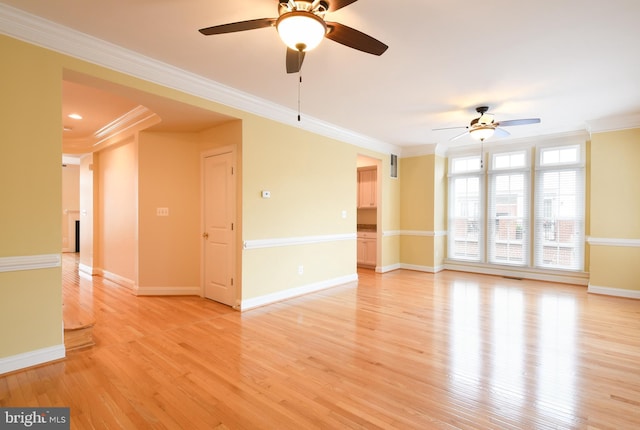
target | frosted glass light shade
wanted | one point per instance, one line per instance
(301, 30)
(482, 132)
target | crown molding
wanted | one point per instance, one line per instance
(421, 150)
(38, 31)
(117, 131)
(614, 124)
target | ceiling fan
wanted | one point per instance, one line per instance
(301, 26)
(485, 126)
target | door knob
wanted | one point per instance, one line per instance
(205, 235)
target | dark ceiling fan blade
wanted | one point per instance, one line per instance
(511, 122)
(339, 4)
(294, 60)
(238, 26)
(449, 128)
(354, 39)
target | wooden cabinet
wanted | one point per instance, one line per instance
(367, 187)
(367, 249)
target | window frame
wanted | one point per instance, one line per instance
(491, 241)
(533, 171)
(481, 223)
(539, 230)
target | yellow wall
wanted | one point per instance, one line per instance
(615, 209)
(615, 184)
(422, 211)
(390, 212)
(31, 196)
(312, 179)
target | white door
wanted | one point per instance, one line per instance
(219, 229)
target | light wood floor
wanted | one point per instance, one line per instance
(404, 350)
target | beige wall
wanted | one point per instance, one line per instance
(615, 210)
(31, 196)
(70, 204)
(88, 216)
(169, 177)
(118, 211)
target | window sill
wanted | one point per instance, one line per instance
(551, 275)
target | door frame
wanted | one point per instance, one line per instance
(377, 162)
(234, 238)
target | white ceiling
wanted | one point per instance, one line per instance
(567, 62)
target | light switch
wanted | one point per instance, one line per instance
(162, 211)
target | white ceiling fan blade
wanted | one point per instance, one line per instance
(458, 136)
(500, 132)
(511, 122)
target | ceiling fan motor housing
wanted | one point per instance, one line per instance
(302, 5)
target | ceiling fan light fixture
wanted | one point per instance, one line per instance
(481, 133)
(301, 30)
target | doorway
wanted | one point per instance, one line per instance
(369, 213)
(219, 225)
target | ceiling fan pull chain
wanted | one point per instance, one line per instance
(299, 85)
(299, 80)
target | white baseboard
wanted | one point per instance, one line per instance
(88, 270)
(416, 267)
(389, 268)
(617, 292)
(427, 269)
(575, 278)
(167, 291)
(295, 292)
(31, 358)
(120, 280)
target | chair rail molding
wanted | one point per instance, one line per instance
(30, 262)
(609, 241)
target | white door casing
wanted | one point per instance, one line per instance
(219, 200)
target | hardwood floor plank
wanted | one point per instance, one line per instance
(402, 350)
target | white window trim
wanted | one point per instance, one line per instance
(534, 149)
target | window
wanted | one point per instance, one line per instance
(508, 214)
(465, 209)
(548, 236)
(560, 209)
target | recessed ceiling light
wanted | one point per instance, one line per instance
(75, 116)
